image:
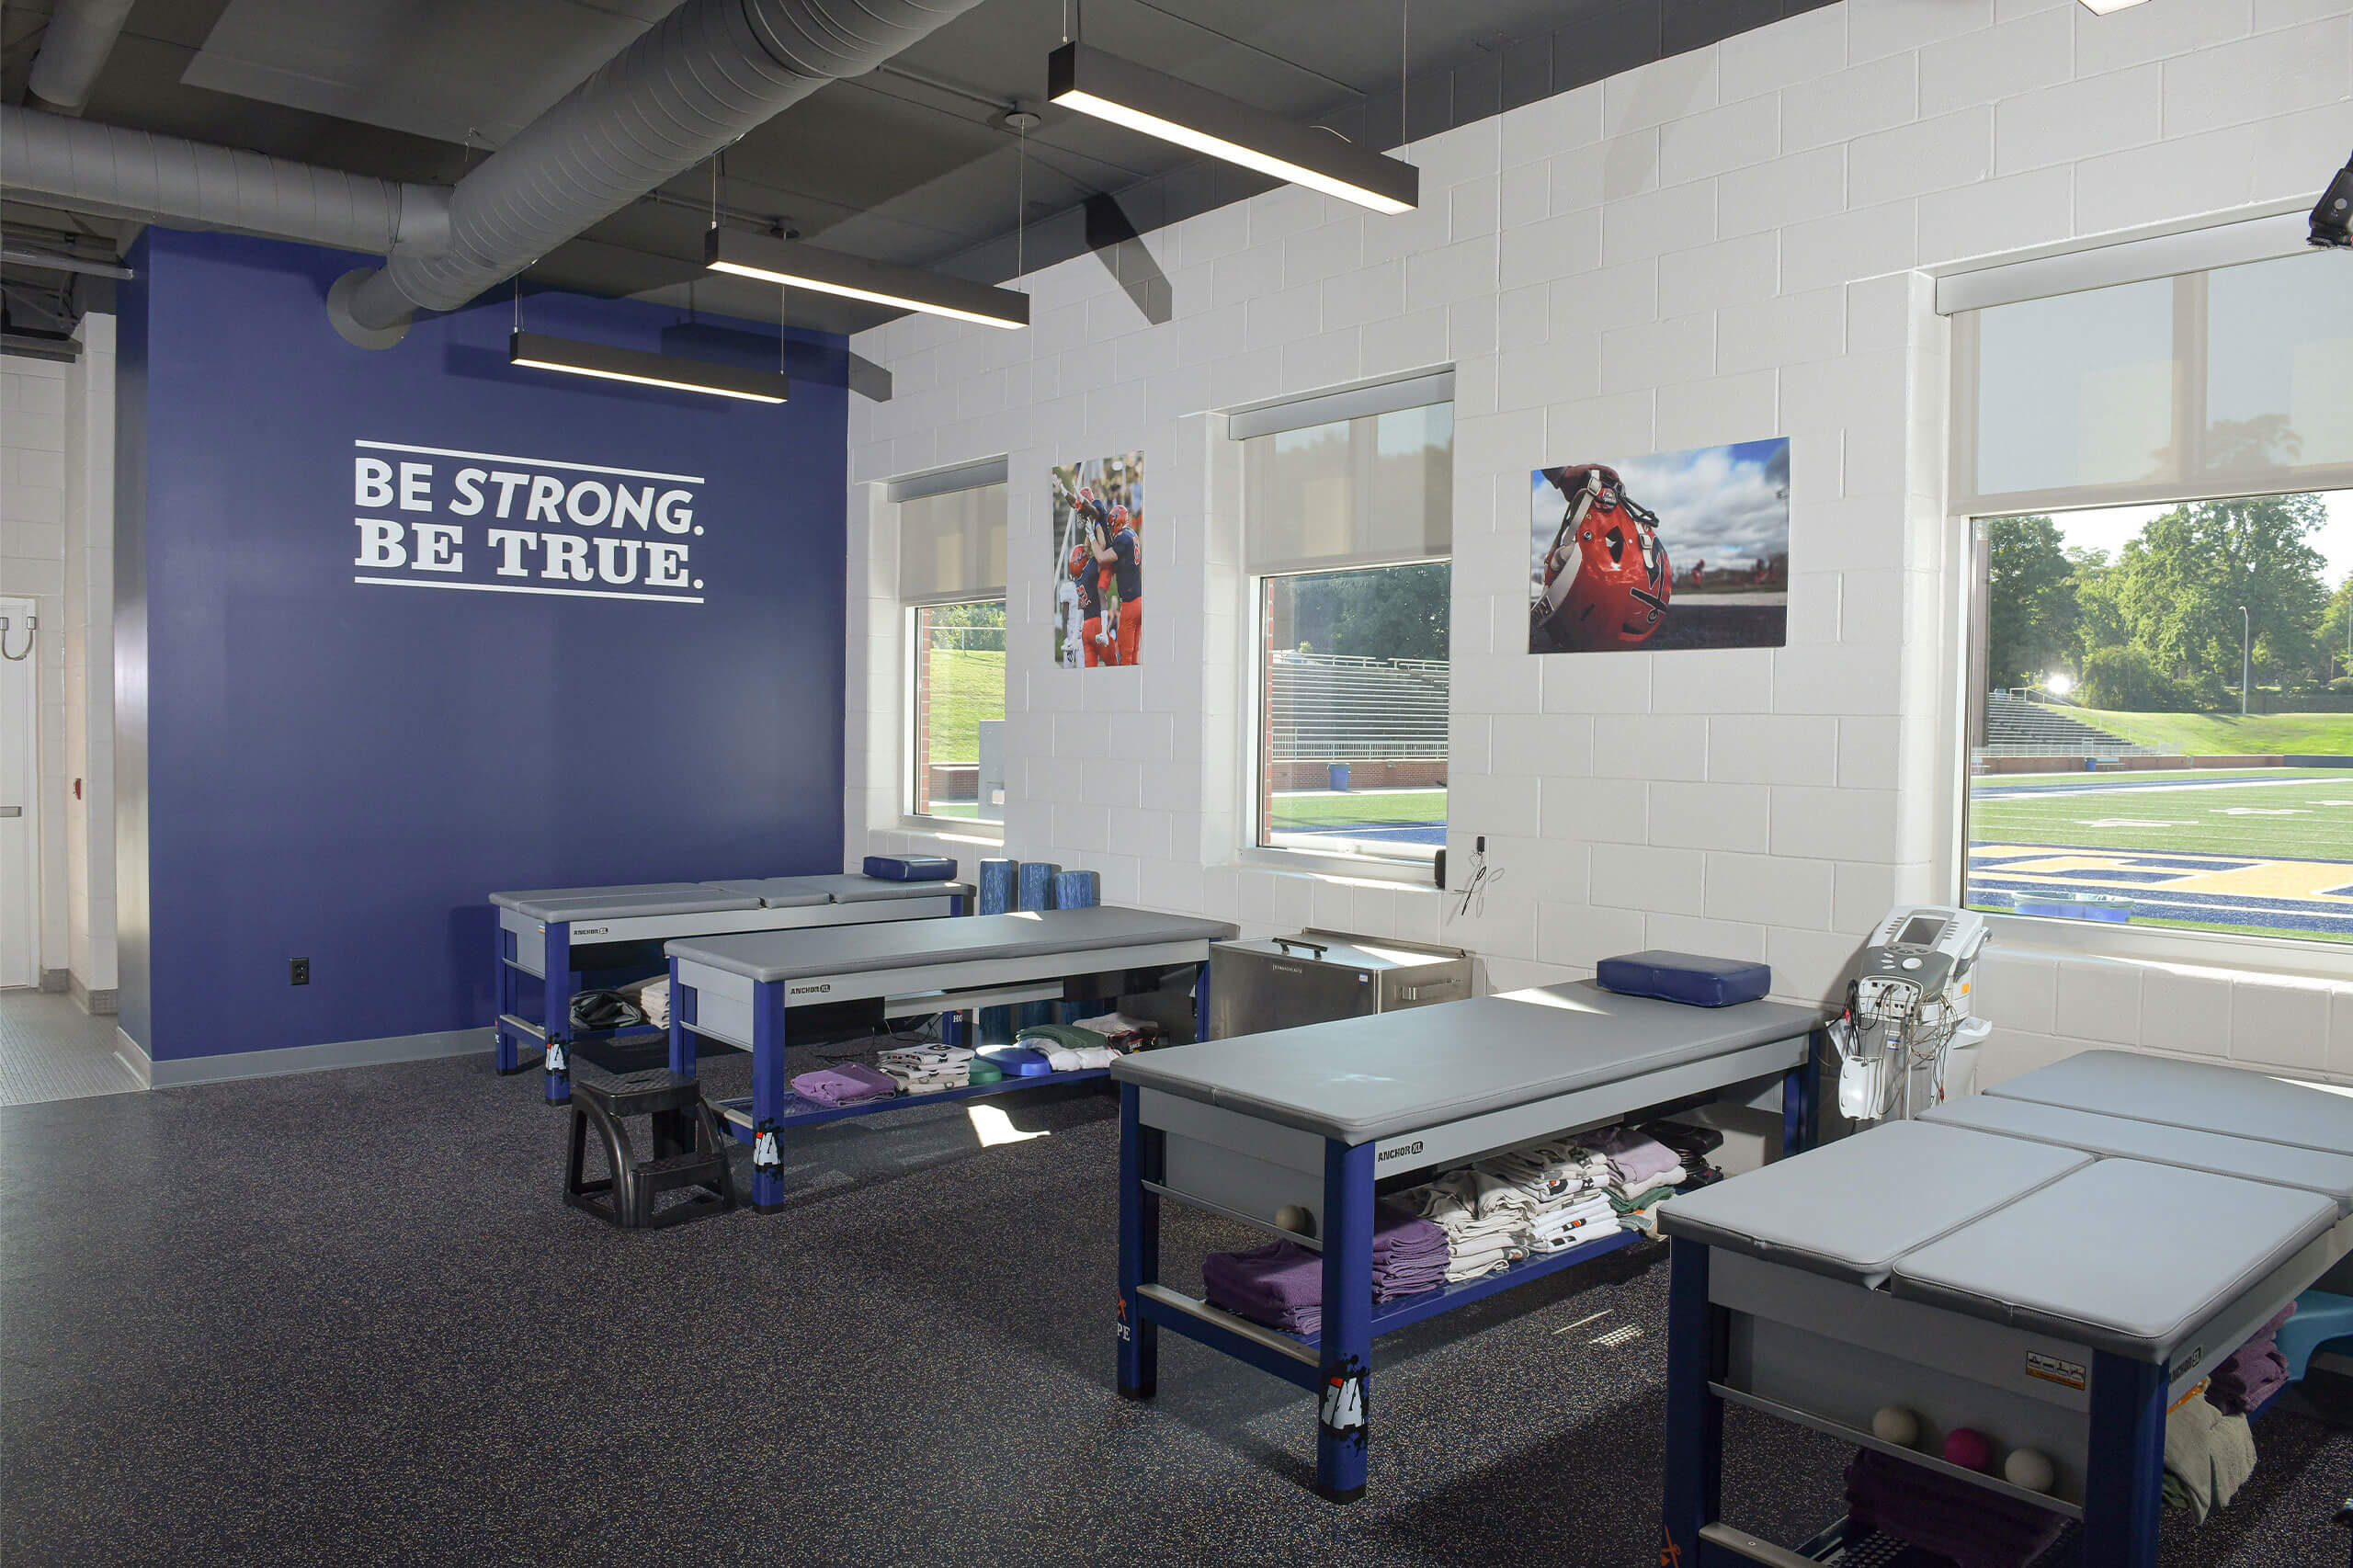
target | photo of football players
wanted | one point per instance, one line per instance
(1682, 549)
(1098, 561)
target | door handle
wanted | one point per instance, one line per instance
(12, 811)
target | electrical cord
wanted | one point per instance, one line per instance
(1483, 878)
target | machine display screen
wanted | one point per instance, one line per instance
(1920, 931)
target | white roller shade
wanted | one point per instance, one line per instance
(1355, 492)
(951, 546)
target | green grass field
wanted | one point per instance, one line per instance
(967, 686)
(1302, 814)
(2277, 813)
(2201, 734)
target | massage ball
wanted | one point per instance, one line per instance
(1970, 1448)
(1294, 1218)
(2029, 1468)
(1893, 1423)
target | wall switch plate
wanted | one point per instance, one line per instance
(297, 971)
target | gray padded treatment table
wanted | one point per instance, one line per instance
(553, 934)
(1301, 1123)
(2075, 1259)
(739, 988)
(2236, 1101)
(1851, 1208)
(2282, 1164)
(870, 961)
(2066, 1312)
(1359, 1080)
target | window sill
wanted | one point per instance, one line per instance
(1413, 876)
(950, 830)
(2259, 957)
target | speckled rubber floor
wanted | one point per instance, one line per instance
(344, 1319)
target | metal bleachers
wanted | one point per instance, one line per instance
(2020, 724)
(1324, 707)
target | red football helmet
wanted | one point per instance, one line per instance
(1607, 579)
(1080, 558)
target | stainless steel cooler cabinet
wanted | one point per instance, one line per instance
(1317, 976)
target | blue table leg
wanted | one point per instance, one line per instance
(768, 1092)
(558, 1012)
(1201, 1001)
(1342, 1407)
(2124, 1474)
(682, 1038)
(502, 1040)
(1142, 1149)
(1696, 1342)
(1797, 1108)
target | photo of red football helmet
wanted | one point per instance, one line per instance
(1607, 578)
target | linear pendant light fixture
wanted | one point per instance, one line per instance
(575, 358)
(1085, 78)
(799, 266)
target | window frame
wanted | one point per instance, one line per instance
(1335, 861)
(911, 613)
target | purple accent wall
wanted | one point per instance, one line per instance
(315, 767)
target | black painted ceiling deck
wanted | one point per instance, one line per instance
(904, 165)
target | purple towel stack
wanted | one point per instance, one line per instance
(1633, 1158)
(852, 1083)
(2255, 1373)
(1975, 1528)
(1281, 1284)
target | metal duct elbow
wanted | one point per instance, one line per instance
(691, 86)
(73, 49)
(163, 179)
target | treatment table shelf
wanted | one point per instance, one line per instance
(799, 1112)
(1310, 1118)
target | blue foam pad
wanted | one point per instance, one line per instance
(1684, 977)
(1016, 1061)
(911, 868)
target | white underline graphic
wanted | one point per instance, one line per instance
(535, 463)
(518, 588)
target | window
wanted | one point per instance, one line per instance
(951, 584)
(2160, 688)
(957, 738)
(1349, 524)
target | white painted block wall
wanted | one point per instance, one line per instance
(1715, 247)
(56, 546)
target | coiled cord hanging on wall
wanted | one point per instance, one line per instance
(32, 626)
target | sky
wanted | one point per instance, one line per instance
(1721, 505)
(2109, 526)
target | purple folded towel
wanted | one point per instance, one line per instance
(2254, 1372)
(1975, 1528)
(849, 1084)
(1281, 1284)
(1633, 1158)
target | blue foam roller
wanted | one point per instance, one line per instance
(996, 887)
(1017, 1060)
(1684, 977)
(1078, 890)
(1038, 883)
(911, 868)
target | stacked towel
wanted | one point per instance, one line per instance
(1570, 1225)
(1482, 1222)
(1064, 1060)
(851, 1083)
(652, 999)
(1549, 1171)
(927, 1069)
(2208, 1456)
(1281, 1284)
(2255, 1372)
(1973, 1527)
(1636, 1162)
(1119, 1029)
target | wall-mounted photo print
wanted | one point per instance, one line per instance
(1098, 561)
(1682, 549)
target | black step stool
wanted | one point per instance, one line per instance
(690, 1151)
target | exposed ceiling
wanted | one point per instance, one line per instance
(907, 164)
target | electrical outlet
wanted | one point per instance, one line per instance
(297, 971)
